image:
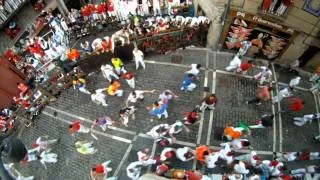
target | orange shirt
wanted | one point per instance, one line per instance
(113, 88)
(200, 152)
(232, 133)
(73, 55)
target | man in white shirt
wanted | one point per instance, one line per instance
(240, 143)
(225, 153)
(240, 168)
(99, 98)
(108, 73)
(294, 82)
(195, 69)
(159, 130)
(283, 93)
(166, 96)
(144, 158)
(44, 145)
(185, 154)
(137, 94)
(211, 159)
(234, 64)
(134, 170)
(138, 58)
(156, 8)
(175, 128)
(300, 121)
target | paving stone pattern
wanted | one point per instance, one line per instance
(232, 93)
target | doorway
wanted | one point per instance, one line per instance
(307, 55)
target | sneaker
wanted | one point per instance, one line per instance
(247, 102)
(258, 104)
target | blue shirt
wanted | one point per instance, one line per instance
(159, 110)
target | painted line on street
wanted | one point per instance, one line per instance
(274, 126)
(124, 158)
(205, 84)
(213, 91)
(316, 99)
(93, 131)
(167, 63)
(214, 60)
(153, 151)
(90, 121)
(177, 65)
(279, 108)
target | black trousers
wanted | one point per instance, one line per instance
(254, 100)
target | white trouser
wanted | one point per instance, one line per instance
(119, 92)
(261, 78)
(50, 158)
(281, 9)
(120, 70)
(256, 126)
(101, 101)
(112, 13)
(131, 83)
(125, 120)
(278, 98)
(165, 113)
(106, 164)
(145, 9)
(156, 9)
(169, 7)
(84, 90)
(148, 162)
(83, 129)
(231, 68)
(103, 16)
(119, 15)
(191, 87)
(140, 61)
(111, 75)
(300, 121)
(204, 106)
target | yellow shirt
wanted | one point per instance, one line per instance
(116, 62)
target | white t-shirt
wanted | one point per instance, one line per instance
(181, 152)
(138, 55)
(98, 96)
(194, 70)
(212, 159)
(133, 99)
(240, 168)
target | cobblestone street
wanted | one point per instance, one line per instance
(121, 144)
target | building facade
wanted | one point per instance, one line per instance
(287, 32)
